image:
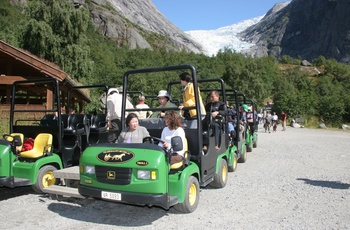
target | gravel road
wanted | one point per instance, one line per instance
(298, 179)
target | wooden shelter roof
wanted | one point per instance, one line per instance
(17, 64)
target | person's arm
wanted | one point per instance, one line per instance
(162, 137)
(121, 137)
(110, 111)
(145, 132)
(155, 114)
(169, 104)
(222, 109)
(118, 104)
(189, 95)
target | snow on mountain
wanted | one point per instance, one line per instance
(224, 37)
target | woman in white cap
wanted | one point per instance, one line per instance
(164, 101)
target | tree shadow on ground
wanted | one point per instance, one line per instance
(327, 184)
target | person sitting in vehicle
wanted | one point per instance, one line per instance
(242, 121)
(165, 102)
(250, 119)
(133, 133)
(232, 121)
(215, 109)
(174, 127)
(143, 105)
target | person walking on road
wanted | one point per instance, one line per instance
(267, 122)
(284, 121)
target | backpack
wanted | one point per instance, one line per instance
(28, 144)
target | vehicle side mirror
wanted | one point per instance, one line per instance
(176, 143)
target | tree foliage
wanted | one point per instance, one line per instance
(56, 31)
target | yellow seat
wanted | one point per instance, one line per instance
(181, 163)
(21, 136)
(42, 146)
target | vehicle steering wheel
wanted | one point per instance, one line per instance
(152, 140)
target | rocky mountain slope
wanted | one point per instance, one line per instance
(138, 24)
(303, 28)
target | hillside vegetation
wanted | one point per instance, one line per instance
(62, 34)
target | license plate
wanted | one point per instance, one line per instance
(111, 195)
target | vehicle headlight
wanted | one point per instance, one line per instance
(143, 174)
(146, 175)
(89, 169)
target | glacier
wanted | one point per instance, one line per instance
(224, 37)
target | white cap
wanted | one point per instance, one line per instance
(111, 90)
(164, 93)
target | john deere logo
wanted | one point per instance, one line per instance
(110, 175)
(115, 156)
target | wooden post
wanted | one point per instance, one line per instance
(49, 99)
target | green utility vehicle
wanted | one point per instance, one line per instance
(42, 139)
(141, 173)
(237, 135)
(252, 118)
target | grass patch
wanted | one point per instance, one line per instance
(4, 125)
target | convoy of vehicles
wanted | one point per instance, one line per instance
(128, 173)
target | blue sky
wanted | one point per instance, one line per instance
(211, 14)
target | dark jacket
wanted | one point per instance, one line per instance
(218, 106)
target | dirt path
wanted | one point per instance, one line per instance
(298, 179)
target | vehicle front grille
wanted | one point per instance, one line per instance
(113, 175)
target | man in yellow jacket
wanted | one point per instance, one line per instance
(188, 96)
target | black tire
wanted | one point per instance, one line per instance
(45, 178)
(243, 157)
(220, 179)
(249, 149)
(255, 144)
(191, 201)
(234, 164)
